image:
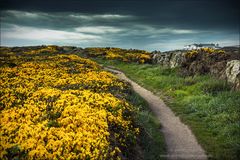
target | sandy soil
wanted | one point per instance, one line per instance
(180, 141)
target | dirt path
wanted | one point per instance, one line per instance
(181, 143)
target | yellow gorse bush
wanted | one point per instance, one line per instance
(125, 55)
(62, 107)
(191, 54)
(46, 49)
(207, 51)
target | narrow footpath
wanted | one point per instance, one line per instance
(180, 141)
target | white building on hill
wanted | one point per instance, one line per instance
(199, 46)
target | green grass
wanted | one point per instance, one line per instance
(206, 104)
(151, 141)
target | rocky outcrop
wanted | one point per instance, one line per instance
(170, 59)
(71, 49)
(233, 73)
(224, 64)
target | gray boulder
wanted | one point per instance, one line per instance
(233, 73)
(177, 59)
(170, 59)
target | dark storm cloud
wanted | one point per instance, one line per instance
(62, 20)
(127, 23)
(183, 13)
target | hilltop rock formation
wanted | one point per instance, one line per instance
(223, 64)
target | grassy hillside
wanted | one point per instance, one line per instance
(206, 104)
(45, 89)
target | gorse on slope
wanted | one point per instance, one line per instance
(62, 106)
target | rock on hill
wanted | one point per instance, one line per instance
(224, 63)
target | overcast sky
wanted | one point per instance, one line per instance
(151, 24)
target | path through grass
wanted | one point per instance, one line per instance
(206, 104)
